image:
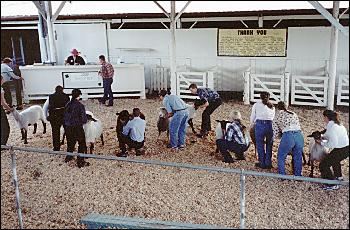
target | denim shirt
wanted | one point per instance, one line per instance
(172, 103)
(74, 114)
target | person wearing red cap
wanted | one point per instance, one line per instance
(75, 59)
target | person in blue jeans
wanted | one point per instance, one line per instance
(287, 124)
(263, 112)
(107, 73)
(177, 109)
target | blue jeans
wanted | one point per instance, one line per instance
(291, 141)
(225, 146)
(107, 90)
(177, 128)
(264, 133)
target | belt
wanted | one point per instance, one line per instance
(58, 108)
(179, 110)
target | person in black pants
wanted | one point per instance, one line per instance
(211, 101)
(5, 127)
(57, 102)
(18, 83)
(74, 119)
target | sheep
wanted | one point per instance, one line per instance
(93, 130)
(316, 151)
(192, 113)
(163, 122)
(220, 130)
(29, 116)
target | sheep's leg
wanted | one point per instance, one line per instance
(304, 159)
(91, 147)
(103, 143)
(64, 136)
(22, 132)
(25, 137)
(35, 127)
(312, 169)
(44, 125)
(190, 122)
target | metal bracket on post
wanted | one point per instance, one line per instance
(242, 200)
(15, 183)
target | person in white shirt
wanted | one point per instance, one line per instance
(287, 124)
(336, 138)
(8, 75)
(263, 112)
(133, 135)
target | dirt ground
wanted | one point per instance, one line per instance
(58, 195)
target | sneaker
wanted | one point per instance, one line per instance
(331, 187)
(258, 165)
(229, 161)
(109, 105)
(202, 134)
(83, 164)
(170, 147)
(181, 147)
(340, 178)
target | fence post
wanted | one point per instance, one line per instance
(286, 87)
(15, 182)
(246, 87)
(242, 200)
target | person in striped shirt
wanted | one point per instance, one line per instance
(107, 73)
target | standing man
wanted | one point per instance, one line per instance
(5, 126)
(18, 83)
(74, 119)
(8, 75)
(75, 59)
(57, 102)
(107, 73)
(133, 135)
(211, 101)
(177, 109)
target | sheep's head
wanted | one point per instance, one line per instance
(16, 114)
(162, 112)
(316, 135)
(124, 115)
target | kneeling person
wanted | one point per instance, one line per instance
(133, 135)
(234, 140)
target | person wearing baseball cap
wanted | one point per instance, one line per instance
(75, 59)
(74, 119)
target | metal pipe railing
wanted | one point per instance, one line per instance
(242, 173)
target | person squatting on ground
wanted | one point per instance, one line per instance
(133, 135)
(9, 76)
(292, 140)
(211, 100)
(263, 112)
(5, 126)
(74, 119)
(235, 139)
(177, 109)
(336, 138)
(107, 73)
(57, 102)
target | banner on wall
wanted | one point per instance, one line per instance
(252, 42)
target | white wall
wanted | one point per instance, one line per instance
(307, 51)
(89, 39)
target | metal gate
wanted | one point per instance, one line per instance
(309, 90)
(185, 79)
(274, 84)
(343, 90)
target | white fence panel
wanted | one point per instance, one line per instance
(159, 78)
(343, 90)
(185, 79)
(274, 84)
(309, 90)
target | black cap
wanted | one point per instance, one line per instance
(316, 135)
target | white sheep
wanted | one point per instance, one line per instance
(316, 151)
(192, 113)
(27, 117)
(93, 130)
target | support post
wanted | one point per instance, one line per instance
(42, 41)
(242, 200)
(50, 33)
(173, 50)
(246, 87)
(15, 182)
(333, 58)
